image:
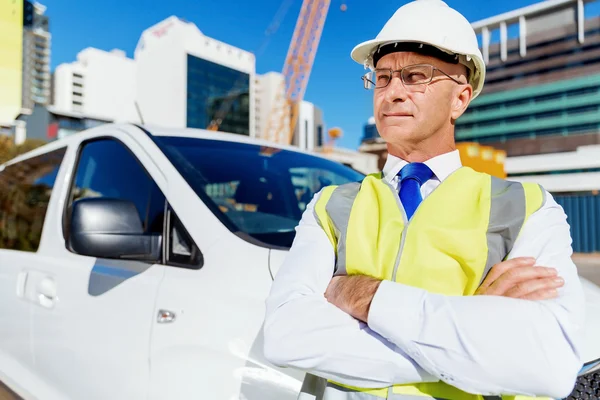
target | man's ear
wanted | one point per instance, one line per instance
(461, 100)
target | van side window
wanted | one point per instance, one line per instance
(106, 168)
(25, 190)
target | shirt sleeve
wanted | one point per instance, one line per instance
(494, 345)
(304, 331)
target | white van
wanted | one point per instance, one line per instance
(135, 265)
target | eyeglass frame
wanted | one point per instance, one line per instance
(392, 71)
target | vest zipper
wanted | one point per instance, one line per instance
(405, 219)
(397, 197)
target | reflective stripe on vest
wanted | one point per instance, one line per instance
(335, 392)
(468, 224)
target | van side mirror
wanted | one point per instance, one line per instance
(111, 228)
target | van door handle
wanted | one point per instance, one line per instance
(46, 292)
(21, 282)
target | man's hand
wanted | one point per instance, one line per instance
(352, 294)
(521, 279)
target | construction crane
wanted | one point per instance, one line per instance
(296, 70)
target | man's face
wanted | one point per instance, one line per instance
(415, 113)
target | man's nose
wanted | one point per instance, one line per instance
(395, 90)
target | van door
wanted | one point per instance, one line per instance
(25, 191)
(92, 325)
(214, 347)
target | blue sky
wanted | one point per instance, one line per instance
(334, 85)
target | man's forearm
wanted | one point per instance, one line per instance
(413, 319)
(312, 335)
(353, 294)
(481, 344)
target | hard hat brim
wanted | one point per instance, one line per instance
(364, 50)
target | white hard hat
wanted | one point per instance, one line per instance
(427, 25)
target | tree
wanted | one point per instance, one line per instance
(8, 149)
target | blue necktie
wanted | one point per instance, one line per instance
(412, 176)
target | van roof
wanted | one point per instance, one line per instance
(156, 131)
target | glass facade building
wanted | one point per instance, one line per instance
(544, 102)
(558, 108)
(216, 91)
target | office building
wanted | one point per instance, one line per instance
(36, 56)
(541, 105)
(187, 79)
(24, 64)
(100, 84)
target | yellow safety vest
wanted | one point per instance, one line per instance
(459, 232)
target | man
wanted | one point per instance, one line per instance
(429, 280)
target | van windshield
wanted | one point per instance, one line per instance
(258, 191)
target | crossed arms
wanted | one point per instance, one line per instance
(505, 342)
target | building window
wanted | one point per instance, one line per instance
(583, 91)
(77, 103)
(215, 91)
(76, 75)
(320, 136)
(306, 134)
(582, 110)
(515, 103)
(547, 97)
(76, 84)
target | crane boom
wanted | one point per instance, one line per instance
(296, 70)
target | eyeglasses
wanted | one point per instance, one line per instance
(420, 74)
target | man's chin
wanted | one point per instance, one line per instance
(393, 133)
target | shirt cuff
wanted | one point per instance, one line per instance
(396, 313)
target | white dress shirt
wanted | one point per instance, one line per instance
(486, 345)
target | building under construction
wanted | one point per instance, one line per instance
(541, 106)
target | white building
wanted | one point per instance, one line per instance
(310, 129)
(268, 89)
(272, 124)
(568, 172)
(99, 84)
(186, 79)
(363, 162)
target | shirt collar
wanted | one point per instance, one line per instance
(441, 166)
